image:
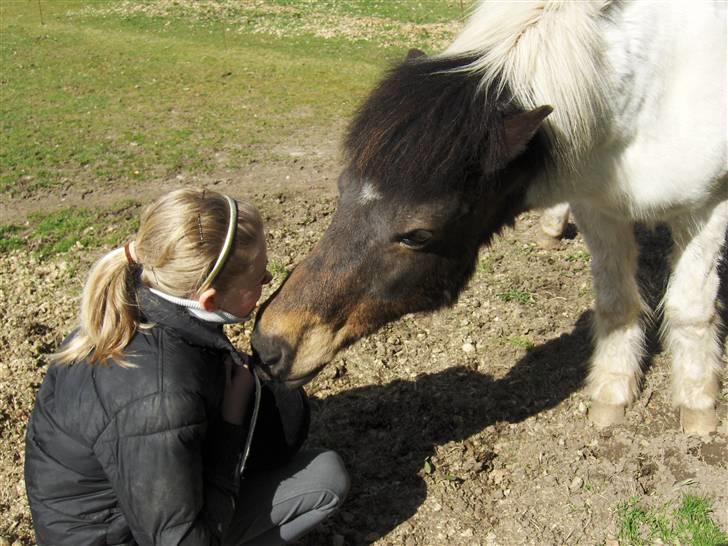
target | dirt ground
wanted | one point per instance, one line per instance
(463, 427)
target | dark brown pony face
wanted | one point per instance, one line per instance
(424, 188)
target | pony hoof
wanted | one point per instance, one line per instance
(603, 415)
(699, 422)
(547, 242)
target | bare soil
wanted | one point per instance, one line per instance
(463, 427)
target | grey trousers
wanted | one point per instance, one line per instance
(279, 506)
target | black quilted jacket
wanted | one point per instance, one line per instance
(128, 456)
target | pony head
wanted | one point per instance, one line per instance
(436, 164)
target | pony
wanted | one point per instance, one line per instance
(616, 107)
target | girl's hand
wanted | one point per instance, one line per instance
(239, 384)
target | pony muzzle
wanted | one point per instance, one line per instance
(294, 351)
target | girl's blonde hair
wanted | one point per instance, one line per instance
(179, 239)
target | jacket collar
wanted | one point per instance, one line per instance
(193, 330)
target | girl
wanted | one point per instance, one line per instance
(141, 430)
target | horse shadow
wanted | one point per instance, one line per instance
(385, 433)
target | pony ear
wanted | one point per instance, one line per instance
(520, 129)
(414, 53)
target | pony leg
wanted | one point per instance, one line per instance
(693, 320)
(619, 336)
(553, 224)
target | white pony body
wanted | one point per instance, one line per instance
(639, 132)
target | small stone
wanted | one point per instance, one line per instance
(436, 507)
(576, 484)
(467, 533)
(497, 476)
(468, 348)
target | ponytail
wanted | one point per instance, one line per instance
(179, 241)
(109, 314)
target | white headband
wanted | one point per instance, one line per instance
(227, 245)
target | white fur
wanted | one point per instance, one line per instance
(548, 52)
(554, 220)
(640, 127)
(368, 194)
(690, 307)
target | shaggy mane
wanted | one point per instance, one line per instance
(543, 52)
(426, 122)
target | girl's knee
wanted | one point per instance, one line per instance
(333, 477)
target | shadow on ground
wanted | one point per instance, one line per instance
(386, 432)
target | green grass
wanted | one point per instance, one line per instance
(404, 11)
(516, 295)
(114, 92)
(57, 232)
(277, 269)
(486, 264)
(522, 342)
(688, 522)
(128, 93)
(10, 238)
(578, 256)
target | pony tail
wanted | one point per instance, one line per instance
(109, 316)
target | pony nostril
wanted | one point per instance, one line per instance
(266, 359)
(265, 351)
(267, 354)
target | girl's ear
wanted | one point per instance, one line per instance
(207, 300)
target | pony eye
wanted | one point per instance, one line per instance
(417, 239)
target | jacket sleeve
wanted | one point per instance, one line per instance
(154, 453)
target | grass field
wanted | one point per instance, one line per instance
(686, 522)
(133, 91)
(127, 94)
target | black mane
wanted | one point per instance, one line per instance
(429, 123)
